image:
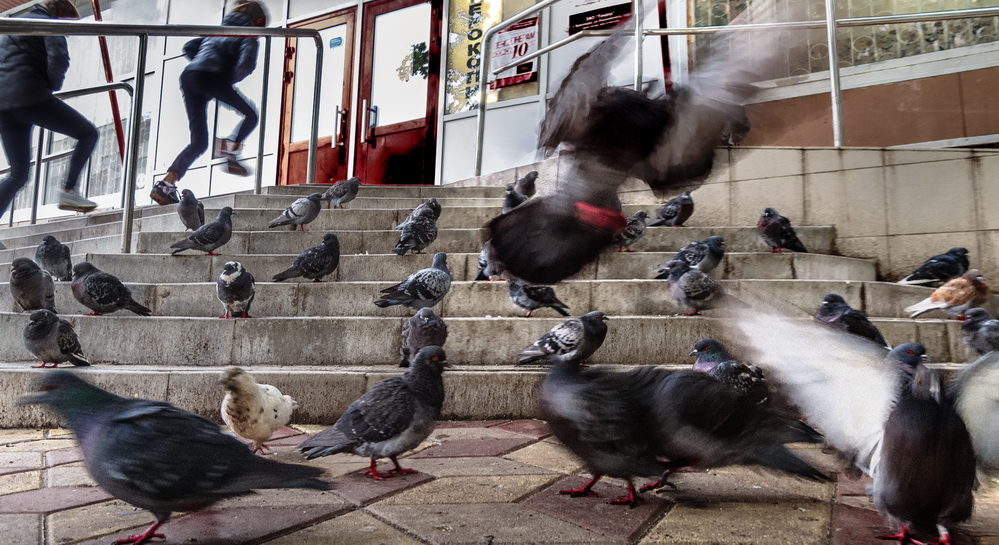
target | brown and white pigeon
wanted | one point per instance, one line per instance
(531, 298)
(316, 262)
(299, 213)
(634, 230)
(102, 292)
(423, 288)
(425, 328)
(235, 288)
(210, 236)
(674, 212)
(777, 232)
(53, 340)
(342, 192)
(54, 257)
(190, 210)
(955, 297)
(980, 331)
(31, 287)
(253, 411)
(572, 340)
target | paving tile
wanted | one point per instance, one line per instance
(453, 467)
(63, 456)
(355, 528)
(283, 497)
(58, 433)
(743, 523)
(471, 434)
(855, 526)
(482, 523)
(42, 445)
(100, 519)
(361, 489)
(474, 489)
(531, 428)
(487, 446)
(50, 500)
(551, 456)
(18, 435)
(742, 484)
(845, 486)
(74, 474)
(448, 424)
(15, 483)
(20, 459)
(21, 529)
(616, 522)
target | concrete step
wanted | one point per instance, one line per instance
(281, 201)
(78, 249)
(31, 241)
(407, 191)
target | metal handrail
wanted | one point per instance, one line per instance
(830, 24)
(46, 27)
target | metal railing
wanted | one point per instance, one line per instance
(831, 24)
(38, 27)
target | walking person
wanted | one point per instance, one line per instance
(31, 69)
(217, 63)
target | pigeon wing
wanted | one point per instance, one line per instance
(382, 413)
(976, 393)
(69, 343)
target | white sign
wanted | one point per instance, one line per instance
(511, 44)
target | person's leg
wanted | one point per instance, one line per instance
(16, 138)
(230, 96)
(192, 85)
(57, 116)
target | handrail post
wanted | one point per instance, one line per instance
(310, 171)
(835, 93)
(38, 175)
(636, 12)
(134, 132)
(258, 175)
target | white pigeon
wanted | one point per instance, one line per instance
(254, 411)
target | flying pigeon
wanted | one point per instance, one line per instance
(980, 331)
(31, 287)
(836, 312)
(315, 262)
(675, 211)
(158, 457)
(53, 340)
(616, 132)
(425, 328)
(512, 199)
(694, 289)
(299, 213)
(53, 256)
(964, 292)
(777, 232)
(703, 255)
(190, 210)
(575, 339)
(489, 267)
(424, 288)
(342, 193)
(526, 185)
(235, 289)
(531, 298)
(103, 293)
(939, 268)
(634, 230)
(430, 204)
(417, 233)
(253, 411)
(713, 358)
(389, 419)
(209, 236)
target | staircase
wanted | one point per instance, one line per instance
(326, 343)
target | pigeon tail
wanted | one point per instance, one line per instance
(78, 360)
(779, 458)
(291, 272)
(137, 308)
(265, 473)
(924, 306)
(327, 443)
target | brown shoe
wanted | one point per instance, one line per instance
(233, 166)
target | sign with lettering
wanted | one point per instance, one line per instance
(598, 18)
(511, 44)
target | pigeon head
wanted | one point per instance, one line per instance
(596, 315)
(186, 195)
(928, 384)
(23, 266)
(71, 396)
(440, 260)
(315, 198)
(958, 251)
(49, 238)
(769, 213)
(685, 198)
(430, 357)
(231, 270)
(833, 298)
(226, 212)
(43, 316)
(83, 268)
(425, 314)
(641, 214)
(977, 314)
(975, 275)
(709, 353)
(330, 238)
(907, 356)
(509, 188)
(716, 241)
(234, 377)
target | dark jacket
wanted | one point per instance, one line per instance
(31, 67)
(231, 57)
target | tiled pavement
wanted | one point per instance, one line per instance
(478, 483)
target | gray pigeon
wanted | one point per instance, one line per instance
(693, 288)
(512, 199)
(675, 211)
(209, 236)
(53, 256)
(703, 255)
(158, 457)
(417, 233)
(489, 267)
(430, 204)
(939, 269)
(777, 232)
(53, 340)
(299, 213)
(389, 419)
(634, 230)
(980, 331)
(103, 293)
(425, 328)
(713, 358)
(190, 210)
(31, 287)
(531, 298)
(835, 311)
(342, 193)
(315, 262)
(235, 289)
(571, 340)
(526, 184)
(424, 288)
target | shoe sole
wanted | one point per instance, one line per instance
(72, 208)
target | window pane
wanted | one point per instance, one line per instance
(400, 63)
(332, 85)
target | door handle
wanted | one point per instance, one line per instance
(340, 126)
(371, 122)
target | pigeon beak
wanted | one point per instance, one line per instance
(925, 358)
(692, 353)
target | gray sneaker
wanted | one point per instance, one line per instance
(72, 200)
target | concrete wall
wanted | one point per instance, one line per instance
(898, 206)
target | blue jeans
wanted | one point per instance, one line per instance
(199, 89)
(15, 130)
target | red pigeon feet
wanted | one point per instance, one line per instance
(45, 365)
(630, 500)
(373, 471)
(903, 536)
(586, 490)
(143, 537)
(94, 313)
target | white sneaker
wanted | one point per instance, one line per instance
(72, 200)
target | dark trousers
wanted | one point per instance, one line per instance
(15, 130)
(199, 89)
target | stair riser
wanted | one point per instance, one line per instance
(413, 192)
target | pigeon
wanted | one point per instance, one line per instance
(103, 293)
(512, 199)
(980, 331)
(210, 236)
(836, 312)
(939, 269)
(425, 328)
(342, 193)
(694, 289)
(615, 133)
(253, 411)
(489, 267)
(736, 129)
(389, 419)
(430, 204)
(575, 339)
(531, 298)
(424, 288)
(31, 286)
(675, 211)
(955, 297)
(190, 210)
(777, 232)
(634, 230)
(299, 213)
(53, 256)
(235, 289)
(526, 185)
(703, 255)
(713, 358)
(158, 457)
(417, 233)
(315, 262)
(53, 340)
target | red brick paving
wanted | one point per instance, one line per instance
(50, 500)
